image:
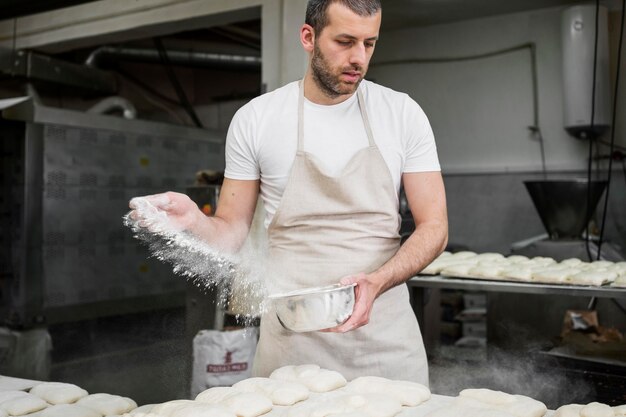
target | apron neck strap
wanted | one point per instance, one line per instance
(366, 122)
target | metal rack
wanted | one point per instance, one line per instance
(438, 281)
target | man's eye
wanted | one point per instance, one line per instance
(344, 43)
(369, 44)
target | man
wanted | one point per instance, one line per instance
(328, 155)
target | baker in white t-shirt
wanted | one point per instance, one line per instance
(328, 155)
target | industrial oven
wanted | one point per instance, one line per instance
(66, 178)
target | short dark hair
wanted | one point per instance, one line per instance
(317, 18)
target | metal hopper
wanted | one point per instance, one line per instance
(562, 204)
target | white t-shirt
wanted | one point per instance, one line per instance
(263, 137)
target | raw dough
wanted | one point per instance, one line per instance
(8, 383)
(487, 396)
(313, 377)
(619, 281)
(140, 414)
(518, 273)
(570, 410)
(458, 269)
(279, 392)
(23, 404)
(459, 411)
(596, 409)
(198, 409)
(571, 262)
(593, 277)
(244, 404)
(513, 259)
(68, 410)
(145, 409)
(554, 275)
(620, 410)
(487, 270)
(107, 404)
(517, 405)
(58, 392)
(408, 393)
(167, 408)
(342, 404)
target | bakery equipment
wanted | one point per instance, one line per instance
(66, 178)
(313, 309)
(565, 207)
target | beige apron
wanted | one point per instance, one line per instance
(324, 229)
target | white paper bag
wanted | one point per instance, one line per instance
(222, 358)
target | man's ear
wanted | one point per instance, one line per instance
(307, 37)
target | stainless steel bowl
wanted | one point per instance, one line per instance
(313, 309)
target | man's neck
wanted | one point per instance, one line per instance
(315, 94)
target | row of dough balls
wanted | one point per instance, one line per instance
(308, 391)
(496, 266)
(58, 399)
(590, 410)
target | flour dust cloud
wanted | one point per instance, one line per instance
(236, 277)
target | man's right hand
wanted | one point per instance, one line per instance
(177, 209)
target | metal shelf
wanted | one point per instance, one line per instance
(438, 281)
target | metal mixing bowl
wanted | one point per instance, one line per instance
(313, 309)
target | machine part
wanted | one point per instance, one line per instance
(104, 55)
(41, 68)
(560, 204)
(115, 103)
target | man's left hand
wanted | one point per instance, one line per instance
(365, 293)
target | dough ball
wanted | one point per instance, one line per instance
(518, 273)
(279, 392)
(244, 404)
(554, 275)
(461, 411)
(23, 404)
(69, 410)
(408, 393)
(458, 269)
(166, 409)
(513, 259)
(596, 278)
(596, 410)
(140, 414)
(347, 404)
(313, 377)
(59, 392)
(571, 262)
(569, 410)
(108, 404)
(198, 409)
(517, 405)
(144, 409)
(619, 410)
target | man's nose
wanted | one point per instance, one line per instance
(358, 55)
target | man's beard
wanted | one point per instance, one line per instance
(329, 82)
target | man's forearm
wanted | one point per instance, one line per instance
(425, 243)
(220, 233)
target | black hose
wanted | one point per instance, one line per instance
(613, 120)
(182, 96)
(590, 157)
